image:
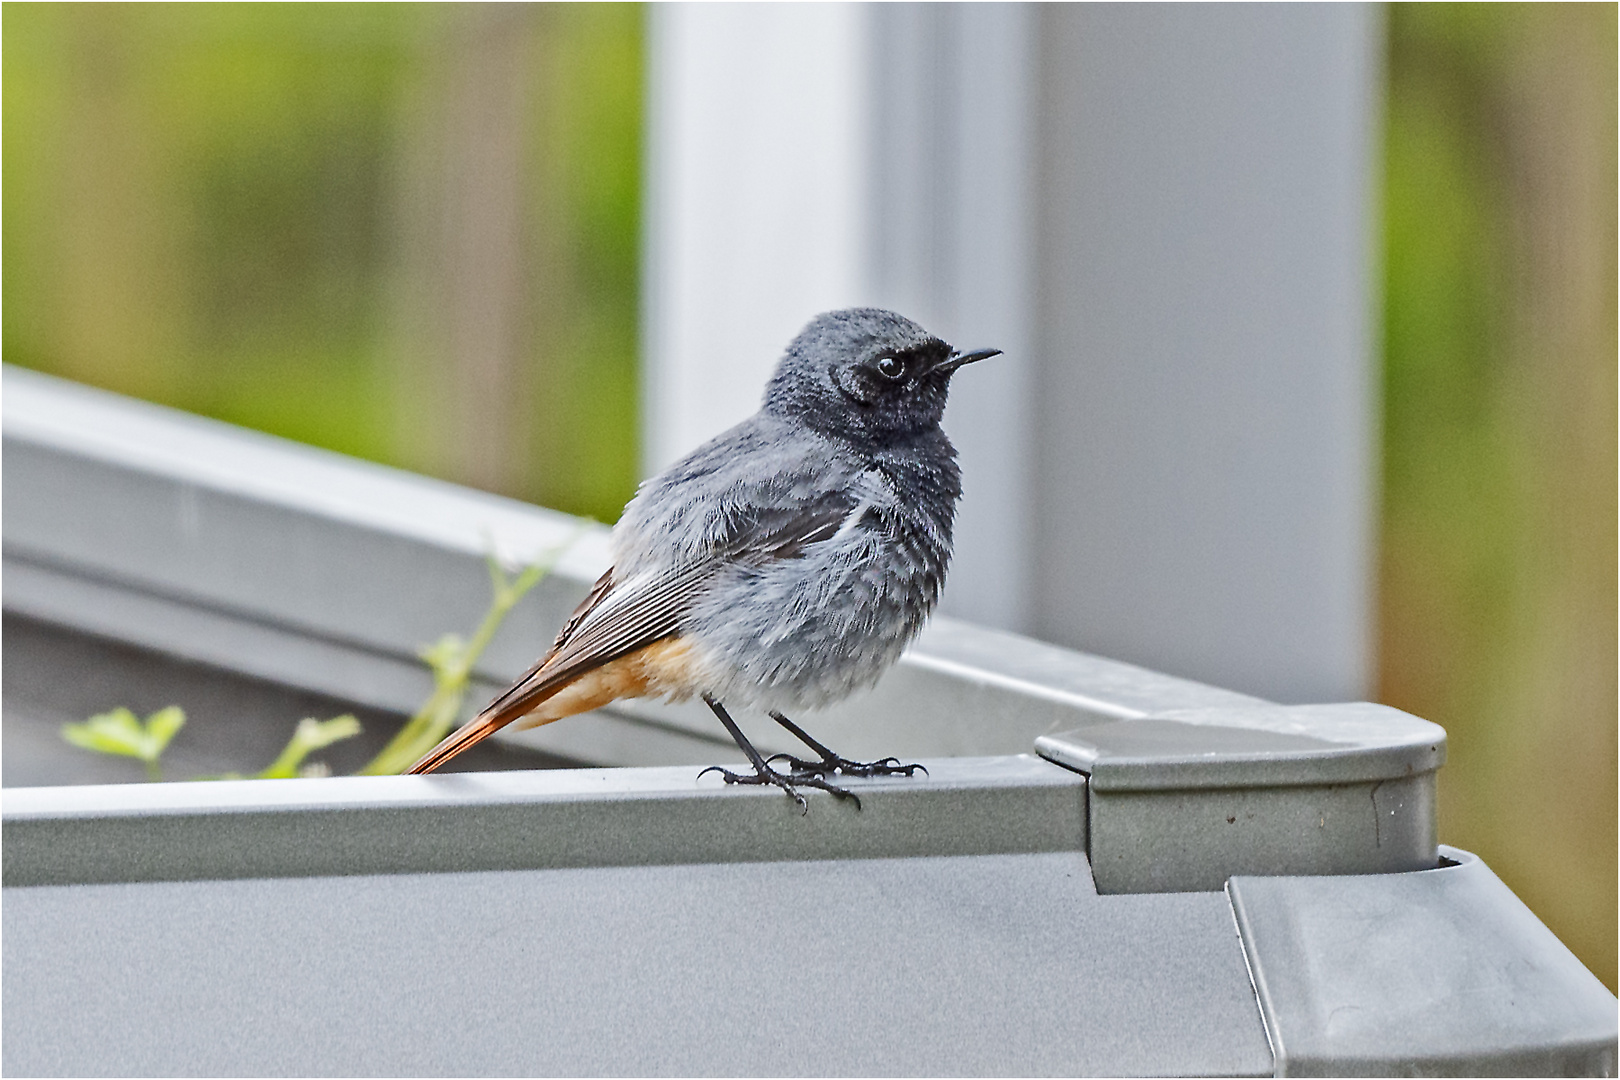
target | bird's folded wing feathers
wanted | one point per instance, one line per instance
(621, 615)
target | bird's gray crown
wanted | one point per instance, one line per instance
(863, 373)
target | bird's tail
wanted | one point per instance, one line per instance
(499, 713)
(551, 691)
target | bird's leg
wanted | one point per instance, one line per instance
(831, 763)
(763, 773)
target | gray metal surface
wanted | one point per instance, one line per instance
(1156, 841)
(1253, 746)
(1186, 798)
(966, 965)
(525, 820)
(302, 567)
(1440, 973)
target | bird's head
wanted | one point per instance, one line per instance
(866, 373)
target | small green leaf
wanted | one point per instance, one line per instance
(101, 741)
(115, 732)
(120, 732)
(162, 726)
(319, 734)
(310, 735)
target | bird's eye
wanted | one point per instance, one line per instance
(890, 367)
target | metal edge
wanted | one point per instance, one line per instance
(523, 820)
(1587, 1057)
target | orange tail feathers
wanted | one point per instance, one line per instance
(664, 668)
(467, 736)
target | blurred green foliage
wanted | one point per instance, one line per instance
(1498, 615)
(220, 208)
(121, 733)
(451, 660)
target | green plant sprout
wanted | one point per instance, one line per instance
(120, 732)
(451, 660)
(309, 736)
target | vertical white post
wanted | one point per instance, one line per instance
(755, 201)
(951, 169)
(1162, 214)
(1206, 408)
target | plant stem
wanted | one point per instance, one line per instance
(310, 735)
(452, 660)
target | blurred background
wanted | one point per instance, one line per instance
(450, 238)
(405, 232)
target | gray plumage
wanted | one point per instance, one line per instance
(820, 527)
(792, 559)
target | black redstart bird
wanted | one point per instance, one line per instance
(781, 566)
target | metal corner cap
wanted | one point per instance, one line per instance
(1250, 746)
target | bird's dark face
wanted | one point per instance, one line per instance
(866, 373)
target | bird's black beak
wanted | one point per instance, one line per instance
(957, 360)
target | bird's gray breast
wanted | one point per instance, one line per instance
(809, 629)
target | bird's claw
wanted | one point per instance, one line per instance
(839, 766)
(788, 784)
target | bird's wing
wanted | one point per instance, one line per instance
(624, 614)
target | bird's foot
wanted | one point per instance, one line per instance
(788, 784)
(833, 765)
